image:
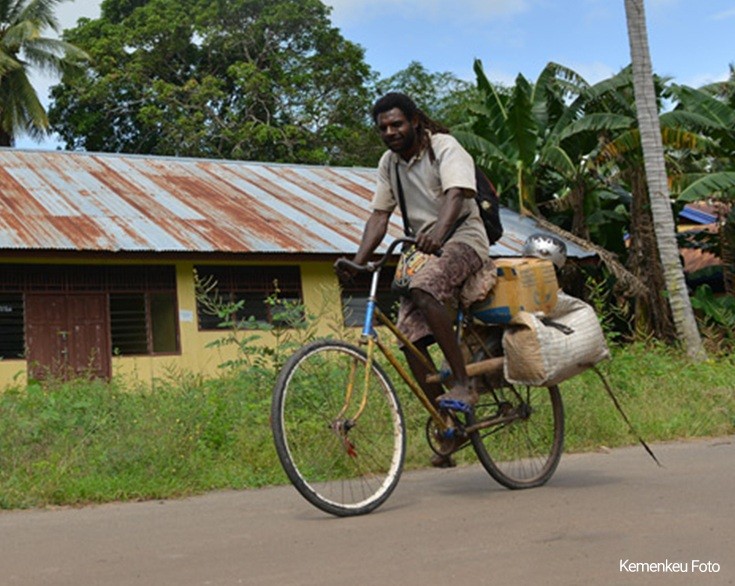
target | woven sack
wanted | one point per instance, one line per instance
(544, 351)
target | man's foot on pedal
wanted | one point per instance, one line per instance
(458, 399)
(441, 461)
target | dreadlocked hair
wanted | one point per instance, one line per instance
(409, 108)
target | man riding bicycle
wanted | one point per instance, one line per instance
(436, 178)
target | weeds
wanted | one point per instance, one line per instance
(82, 441)
(88, 441)
(664, 394)
(716, 317)
(242, 334)
(76, 442)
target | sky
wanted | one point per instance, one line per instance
(691, 41)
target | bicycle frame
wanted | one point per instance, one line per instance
(349, 467)
(371, 340)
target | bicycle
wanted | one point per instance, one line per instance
(340, 432)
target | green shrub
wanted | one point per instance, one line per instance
(86, 441)
(89, 441)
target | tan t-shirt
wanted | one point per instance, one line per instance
(424, 184)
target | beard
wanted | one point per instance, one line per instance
(404, 143)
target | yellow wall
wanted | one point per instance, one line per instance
(321, 298)
(12, 372)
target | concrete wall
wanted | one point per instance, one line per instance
(320, 296)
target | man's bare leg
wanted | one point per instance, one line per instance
(432, 391)
(421, 371)
(441, 326)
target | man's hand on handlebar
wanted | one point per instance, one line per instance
(347, 269)
(426, 242)
(345, 272)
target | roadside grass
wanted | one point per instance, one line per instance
(81, 442)
(665, 396)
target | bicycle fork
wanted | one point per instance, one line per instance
(341, 425)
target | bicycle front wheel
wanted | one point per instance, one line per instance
(338, 428)
(522, 445)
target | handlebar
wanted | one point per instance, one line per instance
(370, 266)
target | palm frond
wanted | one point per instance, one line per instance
(694, 121)
(596, 122)
(18, 34)
(522, 122)
(558, 159)
(700, 102)
(54, 57)
(8, 63)
(23, 23)
(41, 12)
(680, 138)
(623, 145)
(492, 99)
(22, 111)
(720, 185)
(479, 146)
(569, 75)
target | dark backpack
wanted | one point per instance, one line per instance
(487, 199)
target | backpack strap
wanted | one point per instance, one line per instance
(402, 203)
(404, 213)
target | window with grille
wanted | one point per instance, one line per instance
(142, 302)
(355, 294)
(230, 296)
(12, 344)
(143, 323)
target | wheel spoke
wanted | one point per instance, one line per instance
(522, 452)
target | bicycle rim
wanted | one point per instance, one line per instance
(342, 463)
(523, 449)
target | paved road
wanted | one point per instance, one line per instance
(601, 516)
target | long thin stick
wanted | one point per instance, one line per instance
(625, 417)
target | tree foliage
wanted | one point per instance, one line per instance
(273, 80)
(22, 48)
(710, 167)
(535, 141)
(242, 79)
(571, 153)
(441, 95)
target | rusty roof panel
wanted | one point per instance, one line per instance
(80, 201)
(55, 200)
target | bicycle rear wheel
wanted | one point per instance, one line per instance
(342, 460)
(523, 447)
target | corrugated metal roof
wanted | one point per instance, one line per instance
(696, 215)
(58, 200)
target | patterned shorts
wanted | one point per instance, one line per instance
(442, 277)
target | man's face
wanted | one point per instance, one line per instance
(397, 132)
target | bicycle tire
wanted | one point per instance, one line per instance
(524, 450)
(341, 467)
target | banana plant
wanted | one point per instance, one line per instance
(535, 140)
(713, 177)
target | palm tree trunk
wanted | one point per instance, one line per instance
(652, 314)
(727, 245)
(653, 156)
